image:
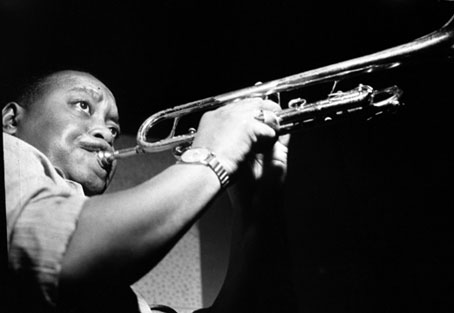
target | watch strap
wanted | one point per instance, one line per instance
(219, 170)
(213, 163)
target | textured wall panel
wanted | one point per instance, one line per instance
(176, 281)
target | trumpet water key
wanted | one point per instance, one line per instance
(362, 99)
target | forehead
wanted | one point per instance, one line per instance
(81, 83)
(68, 84)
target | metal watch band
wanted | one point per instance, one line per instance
(213, 163)
(218, 169)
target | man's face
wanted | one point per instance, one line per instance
(74, 120)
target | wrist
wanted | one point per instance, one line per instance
(205, 157)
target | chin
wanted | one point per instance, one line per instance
(94, 189)
(92, 183)
(94, 180)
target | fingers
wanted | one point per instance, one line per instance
(257, 113)
(262, 110)
(284, 140)
(233, 131)
(265, 123)
(269, 118)
(249, 104)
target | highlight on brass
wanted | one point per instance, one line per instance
(362, 99)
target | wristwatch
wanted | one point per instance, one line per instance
(205, 157)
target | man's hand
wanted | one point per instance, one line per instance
(234, 133)
(272, 164)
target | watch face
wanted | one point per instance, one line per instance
(195, 155)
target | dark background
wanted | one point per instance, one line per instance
(156, 54)
(368, 204)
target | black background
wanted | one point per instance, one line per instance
(368, 203)
(163, 53)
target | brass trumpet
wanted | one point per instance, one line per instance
(298, 114)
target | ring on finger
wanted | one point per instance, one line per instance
(260, 116)
(268, 117)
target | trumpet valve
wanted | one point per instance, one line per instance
(297, 103)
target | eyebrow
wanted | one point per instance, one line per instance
(93, 93)
(99, 97)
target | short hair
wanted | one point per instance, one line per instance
(32, 89)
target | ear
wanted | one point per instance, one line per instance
(11, 114)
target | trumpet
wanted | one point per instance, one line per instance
(363, 98)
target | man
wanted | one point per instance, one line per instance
(72, 249)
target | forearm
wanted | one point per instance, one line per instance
(123, 235)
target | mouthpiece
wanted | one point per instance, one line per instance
(106, 158)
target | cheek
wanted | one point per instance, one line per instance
(59, 142)
(43, 136)
(59, 138)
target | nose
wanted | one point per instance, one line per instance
(102, 132)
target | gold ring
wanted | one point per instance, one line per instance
(261, 116)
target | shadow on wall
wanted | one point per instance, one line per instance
(190, 276)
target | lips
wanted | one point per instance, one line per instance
(95, 147)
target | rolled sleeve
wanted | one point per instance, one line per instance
(40, 238)
(42, 213)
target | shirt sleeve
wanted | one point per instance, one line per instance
(42, 214)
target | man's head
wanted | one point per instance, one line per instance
(69, 116)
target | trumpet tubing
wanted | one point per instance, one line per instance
(361, 99)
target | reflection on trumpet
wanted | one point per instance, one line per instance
(362, 99)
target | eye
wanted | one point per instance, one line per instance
(114, 131)
(83, 106)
